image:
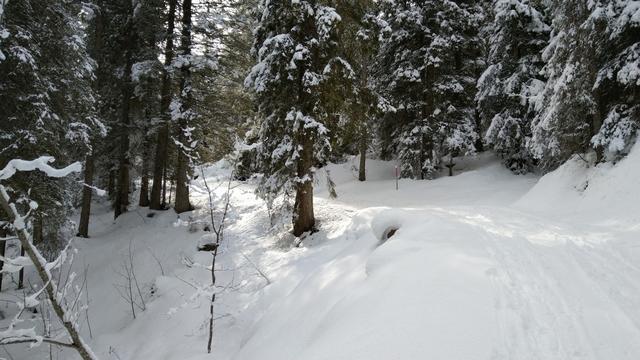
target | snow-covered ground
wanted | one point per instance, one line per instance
(484, 265)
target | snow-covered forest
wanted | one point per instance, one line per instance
(319, 179)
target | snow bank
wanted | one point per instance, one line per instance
(576, 189)
(418, 293)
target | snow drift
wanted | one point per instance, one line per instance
(578, 189)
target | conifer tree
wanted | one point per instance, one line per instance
(359, 42)
(296, 50)
(48, 104)
(566, 110)
(616, 28)
(511, 79)
(156, 200)
(425, 79)
(182, 112)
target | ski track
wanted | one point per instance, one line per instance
(562, 291)
(562, 298)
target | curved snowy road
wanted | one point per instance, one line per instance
(461, 283)
(466, 276)
(561, 292)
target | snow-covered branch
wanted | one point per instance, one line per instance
(42, 164)
(43, 268)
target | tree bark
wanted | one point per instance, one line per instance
(164, 186)
(111, 184)
(21, 273)
(122, 190)
(162, 145)
(182, 171)
(38, 238)
(87, 192)
(426, 146)
(303, 218)
(362, 171)
(144, 182)
(3, 246)
(182, 184)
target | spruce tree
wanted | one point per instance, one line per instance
(296, 50)
(616, 27)
(518, 34)
(156, 200)
(183, 113)
(362, 102)
(424, 75)
(47, 103)
(566, 115)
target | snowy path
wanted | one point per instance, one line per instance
(468, 275)
(506, 286)
(561, 293)
(476, 281)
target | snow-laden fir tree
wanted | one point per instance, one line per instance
(567, 113)
(617, 27)
(194, 67)
(297, 54)
(46, 102)
(518, 34)
(146, 77)
(360, 40)
(124, 36)
(424, 73)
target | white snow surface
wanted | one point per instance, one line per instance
(484, 265)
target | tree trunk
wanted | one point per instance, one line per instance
(182, 184)
(87, 192)
(156, 201)
(160, 161)
(111, 184)
(21, 273)
(303, 217)
(144, 182)
(182, 170)
(362, 173)
(164, 186)
(38, 238)
(89, 164)
(478, 123)
(38, 230)
(122, 190)
(122, 193)
(426, 146)
(170, 191)
(3, 245)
